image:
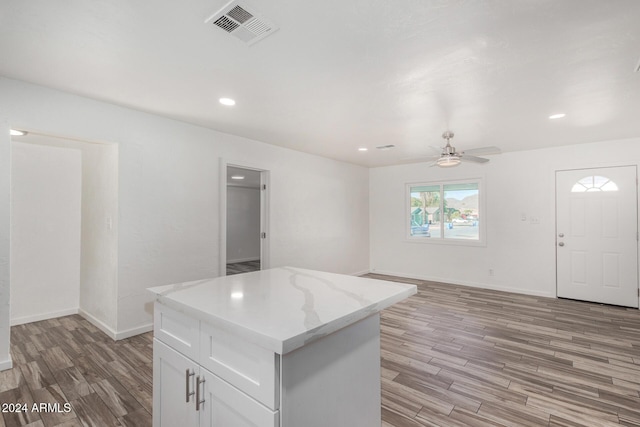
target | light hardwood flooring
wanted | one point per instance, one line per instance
(451, 356)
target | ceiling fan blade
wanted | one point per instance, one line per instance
(468, 158)
(485, 151)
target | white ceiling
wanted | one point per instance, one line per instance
(339, 75)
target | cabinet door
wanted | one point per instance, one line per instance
(225, 406)
(172, 404)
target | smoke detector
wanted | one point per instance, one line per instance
(242, 22)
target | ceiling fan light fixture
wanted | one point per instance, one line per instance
(448, 161)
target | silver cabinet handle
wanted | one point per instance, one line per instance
(198, 401)
(187, 375)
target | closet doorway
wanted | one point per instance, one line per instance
(64, 229)
(244, 220)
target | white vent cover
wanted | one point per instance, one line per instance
(242, 22)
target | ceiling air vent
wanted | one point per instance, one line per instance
(386, 147)
(241, 22)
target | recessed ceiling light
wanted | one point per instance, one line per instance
(237, 177)
(227, 101)
(557, 116)
(363, 149)
(17, 132)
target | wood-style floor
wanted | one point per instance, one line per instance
(243, 267)
(67, 359)
(460, 356)
(451, 356)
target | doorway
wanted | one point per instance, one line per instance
(64, 229)
(244, 219)
(597, 235)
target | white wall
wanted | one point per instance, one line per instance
(243, 223)
(45, 232)
(521, 254)
(99, 259)
(5, 182)
(168, 195)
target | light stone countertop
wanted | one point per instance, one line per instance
(282, 309)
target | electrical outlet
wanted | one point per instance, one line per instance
(491, 272)
(534, 220)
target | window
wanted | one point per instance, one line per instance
(594, 183)
(445, 211)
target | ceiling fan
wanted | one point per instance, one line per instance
(449, 157)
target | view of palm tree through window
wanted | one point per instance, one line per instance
(449, 211)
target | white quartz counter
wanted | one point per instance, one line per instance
(282, 309)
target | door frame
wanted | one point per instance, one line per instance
(555, 205)
(265, 255)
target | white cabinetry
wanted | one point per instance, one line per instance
(187, 394)
(284, 347)
(171, 404)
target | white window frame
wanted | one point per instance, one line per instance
(482, 213)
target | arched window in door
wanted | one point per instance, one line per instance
(594, 183)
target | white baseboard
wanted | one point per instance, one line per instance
(6, 364)
(235, 261)
(467, 283)
(134, 331)
(113, 334)
(44, 316)
(98, 324)
(360, 273)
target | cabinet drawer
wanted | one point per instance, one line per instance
(177, 330)
(225, 405)
(250, 368)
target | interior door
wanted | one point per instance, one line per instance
(245, 220)
(597, 235)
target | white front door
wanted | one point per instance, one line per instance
(596, 235)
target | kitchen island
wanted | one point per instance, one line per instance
(284, 347)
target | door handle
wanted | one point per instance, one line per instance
(187, 375)
(561, 244)
(198, 401)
